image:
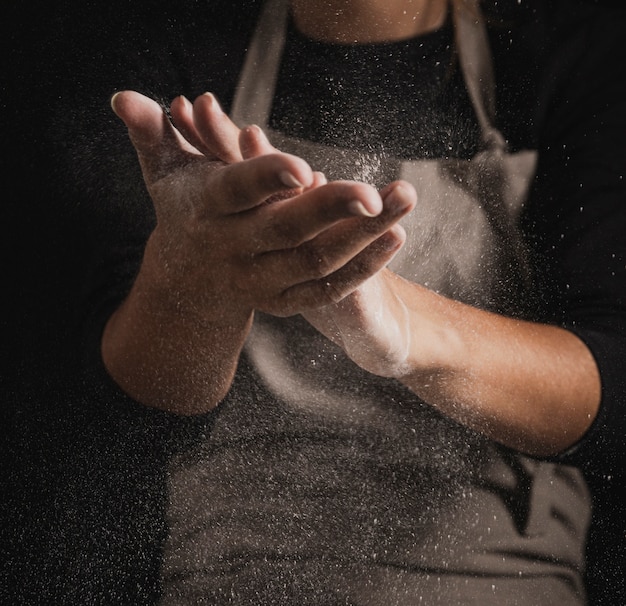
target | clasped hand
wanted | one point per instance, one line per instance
(242, 226)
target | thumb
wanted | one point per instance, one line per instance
(157, 143)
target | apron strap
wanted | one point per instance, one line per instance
(255, 91)
(254, 94)
(475, 57)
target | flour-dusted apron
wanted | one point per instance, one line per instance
(322, 484)
(462, 236)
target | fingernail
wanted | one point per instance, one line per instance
(213, 102)
(399, 194)
(393, 194)
(259, 133)
(255, 130)
(289, 180)
(394, 238)
(356, 207)
(320, 177)
(115, 96)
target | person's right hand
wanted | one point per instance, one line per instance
(240, 227)
(236, 234)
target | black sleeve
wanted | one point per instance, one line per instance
(82, 466)
(579, 208)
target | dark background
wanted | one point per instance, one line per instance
(82, 489)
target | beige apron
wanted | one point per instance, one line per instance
(320, 483)
(462, 236)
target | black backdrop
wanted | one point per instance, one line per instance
(82, 493)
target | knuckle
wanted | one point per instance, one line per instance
(314, 264)
(332, 293)
(284, 305)
(289, 236)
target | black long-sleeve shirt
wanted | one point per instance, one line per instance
(559, 88)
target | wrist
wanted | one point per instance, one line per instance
(176, 287)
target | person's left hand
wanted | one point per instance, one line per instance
(371, 324)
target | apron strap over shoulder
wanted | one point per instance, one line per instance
(476, 65)
(255, 91)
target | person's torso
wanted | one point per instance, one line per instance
(318, 472)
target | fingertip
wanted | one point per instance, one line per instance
(289, 180)
(206, 105)
(302, 172)
(356, 207)
(181, 100)
(120, 101)
(298, 175)
(399, 233)
(180, 108)
(370, 202)
(254, 142)
(319, 179)
(400, 192)
(250, 132)
(409, 191)
(133, 107)
(210, 102)
(114, 100)
(247, 145)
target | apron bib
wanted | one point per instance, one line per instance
(462, 237)
(320, 483)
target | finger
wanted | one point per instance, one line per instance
(219, 134)
(398, 192)
(337, 286)
(369, 262)
(319, 179)
(333, 249)
(159, 146)
(290, 223)
(247, 184)
(181, 110)
(253, 142)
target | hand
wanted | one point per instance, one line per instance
(221, 245)
(240, 227)
(373, 324)
(457, 358)
(243, 227)
(370, 324)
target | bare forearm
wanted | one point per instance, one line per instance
(169, 356)
(219, 251)
(530, 386)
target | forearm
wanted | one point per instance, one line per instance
(530, 386)
(220, 251)
(168, 355)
